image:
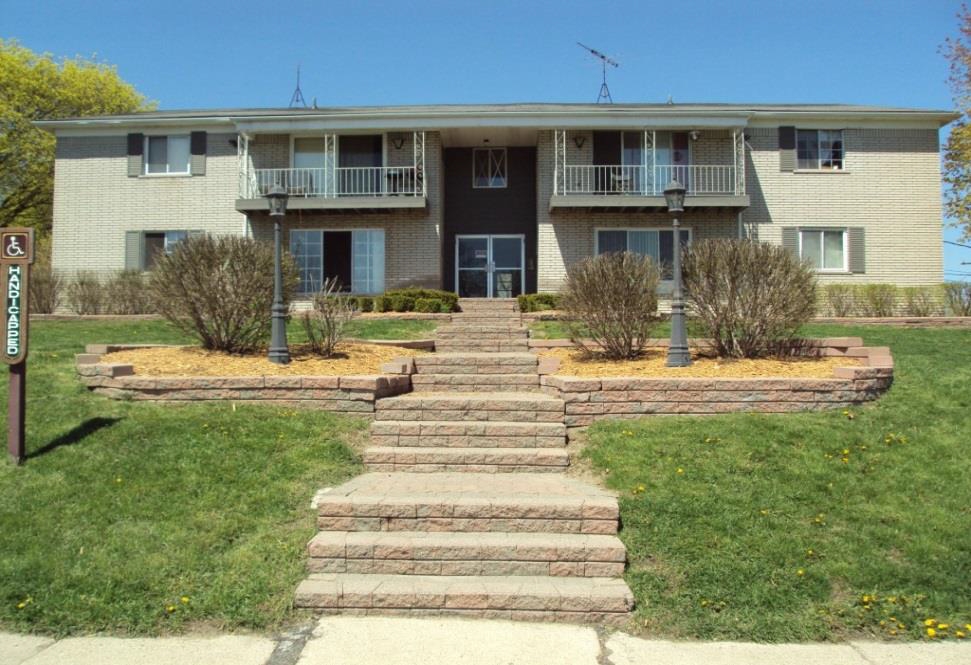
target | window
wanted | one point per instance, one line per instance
(143, 249)
(819, 149)
(488, 168)
(354, 258)
(166, 154)
(656, 243)
(825, 250)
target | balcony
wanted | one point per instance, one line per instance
(332, 187)
(641, 186)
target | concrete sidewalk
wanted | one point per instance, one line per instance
(433, 641)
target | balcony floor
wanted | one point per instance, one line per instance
(635, 203)
(349, 203)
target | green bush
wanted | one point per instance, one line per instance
(428, 305)
(382, 304)
(751, 297)
(219, 289)
(537, 302)
(402, 303)
(840, 298)
(86, 293)
(879, 300)
(612, 299)
(365, 303)
(922, 300)
(415, 293)
(958, 298)
(444, 307)
(126, 292)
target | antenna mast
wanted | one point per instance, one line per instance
(297, 98)
(604, 95)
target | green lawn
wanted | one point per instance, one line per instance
(125, 508)
(390, 329)
(782, 527)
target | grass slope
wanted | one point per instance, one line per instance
(123, 509)
(808, 526)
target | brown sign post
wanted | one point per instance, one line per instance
(16, 255)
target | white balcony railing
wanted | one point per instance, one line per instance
(340, 181)
(699, 180)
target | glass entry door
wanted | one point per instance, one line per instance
(489, 266)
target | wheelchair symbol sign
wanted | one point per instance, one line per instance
(15, 246)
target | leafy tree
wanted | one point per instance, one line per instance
(957, 154)
(38, 87)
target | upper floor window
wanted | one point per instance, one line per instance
(824, 249)
(166, 154)
(819, 149)
(488, 168)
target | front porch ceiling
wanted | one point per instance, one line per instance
(484, 137)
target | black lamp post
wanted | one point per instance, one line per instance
(279, 352)
(678, 354)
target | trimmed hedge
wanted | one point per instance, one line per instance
(538, 302)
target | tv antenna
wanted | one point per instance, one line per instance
(297, 98)
(604, 95)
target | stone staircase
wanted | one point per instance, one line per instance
(442, 525)
(489, 325)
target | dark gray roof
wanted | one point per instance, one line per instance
(517, 108)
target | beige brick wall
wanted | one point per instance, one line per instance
(95, 202)
(567, 236)
(891, 186)
(413, 244)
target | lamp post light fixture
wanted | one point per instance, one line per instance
(678, 353)
(279, 351)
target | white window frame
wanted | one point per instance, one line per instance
(505, 162)
(846, 246)
(351, 230)
(168, 165)
(819, 157)
(628, 229)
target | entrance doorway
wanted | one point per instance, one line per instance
(489, 266)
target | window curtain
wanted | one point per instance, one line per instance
(367, 272)
(643, 242)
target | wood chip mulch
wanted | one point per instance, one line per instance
(351, 359)
(652, 364)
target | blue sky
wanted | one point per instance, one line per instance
(209, 53)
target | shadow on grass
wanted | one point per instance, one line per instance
(76, 435)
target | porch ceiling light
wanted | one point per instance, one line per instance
(674, 196)
(579, 140)
(277, 200)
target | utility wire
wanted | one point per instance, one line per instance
(956, 244)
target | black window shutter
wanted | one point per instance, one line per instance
(197, 148)
(136, 146)
(787, 148)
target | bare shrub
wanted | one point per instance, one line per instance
(324, 322)
(45, 285)
(126, 292)
(219, 289)
(612, 298)
(922, 300)
(840, 299)
(751, 298)
(958, 298)
(879, 299)
(86, 293)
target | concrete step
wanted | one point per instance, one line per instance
(476, 460)
(468, 502)
(476, 363)
(475, 382)
(472, 334)
(541, 598)
(481, 346)
(523, 407)
(489, 303)
(484, 326)
(467, 434)
(428, 553)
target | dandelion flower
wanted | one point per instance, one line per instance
(943, 626)
(680, 470)
(184, 600)
(931, 632)
(929, 622)
(170, 608)
(800, 572)
(959, 634)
